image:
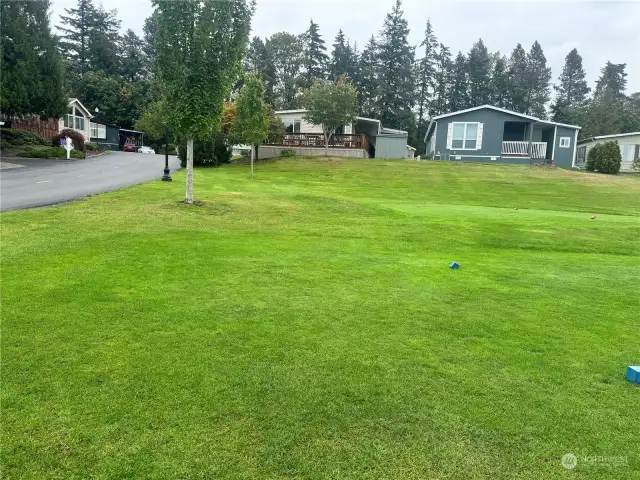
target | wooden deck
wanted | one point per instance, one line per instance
(317, 140)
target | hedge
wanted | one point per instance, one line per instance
(604, 158)
(20, 138)
(48, 152)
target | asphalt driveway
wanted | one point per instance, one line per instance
(26, 183)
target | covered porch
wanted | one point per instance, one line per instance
(528, 140)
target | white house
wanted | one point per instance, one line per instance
(364, 138)
(629, 144)
(78, 118)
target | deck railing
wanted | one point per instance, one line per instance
(521, 149)
(317, 140)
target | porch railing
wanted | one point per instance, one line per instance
(521, 149)
(317, 140)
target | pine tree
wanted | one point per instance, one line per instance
(149, 37)
(367, 81)
(517, 80)
(134, 61)
(104, 41)
(457, 96)
(74, 44)
(426, 80)
(499, 84)
(613, 81)
(343, 60)
(259, 61)
(30, 65)
(315, 58)
(442, 81)
(479, 69)
(396, 74)
(572, 89)
(538, 78)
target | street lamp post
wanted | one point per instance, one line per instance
(166, 177)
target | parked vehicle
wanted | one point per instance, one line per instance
(146, 150)
(129, 147)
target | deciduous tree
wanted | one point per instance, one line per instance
(200, 45)
(251, 124)
(331, 105)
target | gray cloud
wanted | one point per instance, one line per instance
(601, 31)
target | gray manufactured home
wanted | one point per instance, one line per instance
(492, 134)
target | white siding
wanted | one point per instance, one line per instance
(305, 127)
(627, 150)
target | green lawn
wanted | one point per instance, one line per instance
(305, 324)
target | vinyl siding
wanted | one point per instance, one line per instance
(391, 146)
(627, 161)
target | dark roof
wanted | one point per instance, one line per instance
(104, 122)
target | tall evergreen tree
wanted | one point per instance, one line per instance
(572, 89)
(343, 60)
(259, 61)
(367, 80)
(315, 58)
(426, 80)
(613, 81)
(30, 64)
(104, 41)
(457, 95)
(479, 75)
(442, 81)
(396, 71)
(76, 29)
(537, 82)
(517, 80)
(134, 61)
(499, 83)
(149, 37)
(287, 54)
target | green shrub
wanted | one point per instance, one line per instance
(20, 138)
(212, 151)
(92, 146)
(636, 164)
(604, 158)
(287, 152)
(76, 137)
(40, 151)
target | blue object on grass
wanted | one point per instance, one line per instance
(454, 265)
(633, 374)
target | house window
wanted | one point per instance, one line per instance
(68, 121)
(98, 131)
(465, 135)
(292, 126)
(581, 155)
(565, 142)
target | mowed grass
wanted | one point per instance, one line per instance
(305, 324)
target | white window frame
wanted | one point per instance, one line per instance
(564, 142)
(99, 130)
(293, 124)
(464, 138)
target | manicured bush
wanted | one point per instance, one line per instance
(210, 152)
(76, 137)
(20, 138)
(604, 158)
(92, 146)
(41, 151)
(287, 152)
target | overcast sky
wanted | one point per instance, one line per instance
(601, 31)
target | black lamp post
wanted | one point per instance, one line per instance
(166, 177)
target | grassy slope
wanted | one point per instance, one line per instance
(304, 324)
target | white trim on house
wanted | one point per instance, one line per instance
(565, 142)
(553, 147)
(299, 110)
(86, 112)
(503, 110)
(575, 150)
(602, 137)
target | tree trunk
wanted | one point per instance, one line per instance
(189, 193)
(326, 144)
(253, 151)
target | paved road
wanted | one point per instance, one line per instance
(33, 182)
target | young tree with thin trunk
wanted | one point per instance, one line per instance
(200, 45)
(331, 105)
(251, 124)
